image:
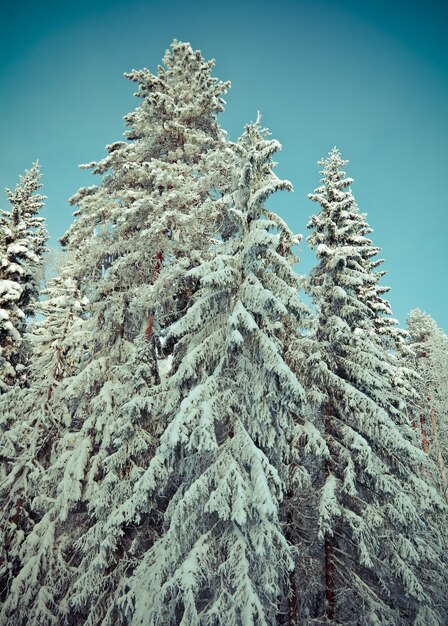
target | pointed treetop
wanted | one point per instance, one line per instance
(332, 172)
(421, 323)
(187, 67)
(334, 159)
(28, 184)
(253, 133)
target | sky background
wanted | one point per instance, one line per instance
(370, 77)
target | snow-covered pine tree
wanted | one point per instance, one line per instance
(429, 356)
(22, 244)
(383, 557)
(27, 446)
(232, 408)
(160, 201)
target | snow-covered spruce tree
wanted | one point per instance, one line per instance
(27, 446)
(160, 201)
(429, 356)
(372, 292)
(232, 408)
(383, 557)
(385, 330)
(22, 243)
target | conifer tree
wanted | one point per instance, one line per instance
(383, 559)
(160, 201)
(232, 409)
(372, 293)
(27, 446)
(22, 244)
(429, 356)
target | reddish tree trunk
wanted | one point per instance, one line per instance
(157, 265)
(425, 441)
(149, 327)
(329, 578)
(16, 514)
(155, 273)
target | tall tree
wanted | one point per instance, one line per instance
(161, 200)
(429, 356)
(232, 408)
(27, 443)
(372, 292)
(382, 550)
(22, 244)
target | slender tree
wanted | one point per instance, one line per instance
(429, 355)
(22, 243)
(382, 550)
(161, 199)
(27, 446)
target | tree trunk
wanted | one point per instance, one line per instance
(155, 273)
(329, 578)
(425, 441)
(330, 595)
(293, 602)
(149, 327)
(436, 442)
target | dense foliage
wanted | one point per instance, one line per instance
(183, 441)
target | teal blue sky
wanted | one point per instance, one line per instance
(370, 77)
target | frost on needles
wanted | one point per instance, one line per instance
(232, 406)
(162, 195)
(428, 357)
(183, 441)
(22, 240)
(382, 547)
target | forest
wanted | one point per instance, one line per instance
(192, 432)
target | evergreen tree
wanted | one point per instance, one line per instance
(27, 446)
(382, 551)
(162, 464)
(429, 356)
(233, 409)
(160, 201)
(372, 292)
(22, 243)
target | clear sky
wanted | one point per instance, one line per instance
(370, 77)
